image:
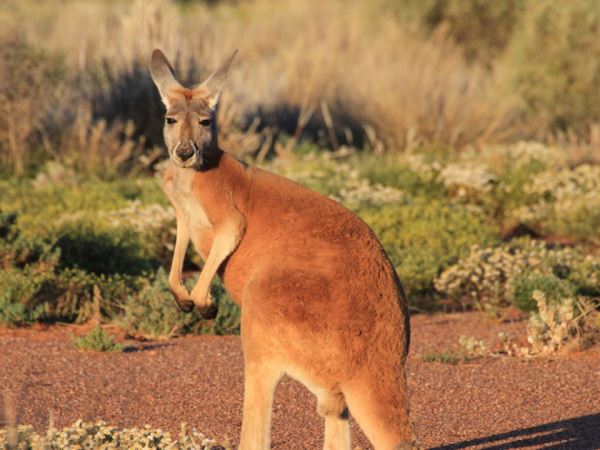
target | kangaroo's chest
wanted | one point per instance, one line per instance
(193, 213)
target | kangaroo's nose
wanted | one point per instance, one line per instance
(185, 152)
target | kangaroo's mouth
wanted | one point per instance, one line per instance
(188, 156)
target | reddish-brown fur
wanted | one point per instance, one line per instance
(320, 300)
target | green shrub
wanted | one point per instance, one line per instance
(484, 277)
(152, 312)
(100, 250)
(553, 62)
(401, 173)
(98, 340)
(42, 206)
(425, 237)
(522, 288)
(564, 202)
(18, 296)
(16, 251)
(74, 295)
(446, 357)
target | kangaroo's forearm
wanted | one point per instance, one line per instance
(181, 244)
(226, 239)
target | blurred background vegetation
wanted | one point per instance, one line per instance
(466, 133)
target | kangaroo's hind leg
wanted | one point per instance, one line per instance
(260, 381)
(332, 406)
(261, 375)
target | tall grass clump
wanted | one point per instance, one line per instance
(553, 63)
(29, 77)
(338, 57)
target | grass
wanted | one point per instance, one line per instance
(297, 61)
(98, 340)
(445, 357)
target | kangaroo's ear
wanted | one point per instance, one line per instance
(214, 84)
(162, 74)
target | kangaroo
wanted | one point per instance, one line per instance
(320, 300)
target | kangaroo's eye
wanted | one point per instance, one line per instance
(205, 122)
(171, 121)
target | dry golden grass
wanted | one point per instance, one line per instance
(351, 69)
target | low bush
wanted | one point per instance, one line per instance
(152, 312)
(446, 357)
(98, 340)
(411, 174)
(561, 323)
(565, 203)
(86, 246)
(425, 237)
(522, 288)
(101, 435)
(19, 291)
(483, 278)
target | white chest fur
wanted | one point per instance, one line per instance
(190, 206)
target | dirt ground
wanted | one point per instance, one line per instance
(492, 402)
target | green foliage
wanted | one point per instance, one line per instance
(553, 62)
(98, 340)
(13, 312)
(46, 203)
(446, 357)
(565, 202)
(484, 277)
(425, 237)
(523, 286)
(16, 251)
(152, 312)
(86, 246)
(396, 172)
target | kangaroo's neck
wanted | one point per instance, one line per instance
(222, 177)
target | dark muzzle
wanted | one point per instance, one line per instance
(185, 153)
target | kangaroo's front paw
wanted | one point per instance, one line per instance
(209, 311)
(187, 306)
(205, 304)
(181, 295)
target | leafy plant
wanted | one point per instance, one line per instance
(446, 357)
(424, 237)
(523, 286)
(98, 340)
(484, 277)
(152, 312)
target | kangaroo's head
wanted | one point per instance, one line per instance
(190, 128)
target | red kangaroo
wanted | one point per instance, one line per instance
(320, 300)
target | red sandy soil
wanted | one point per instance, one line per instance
(492, 402)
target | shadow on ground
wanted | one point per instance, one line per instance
(577, 433)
